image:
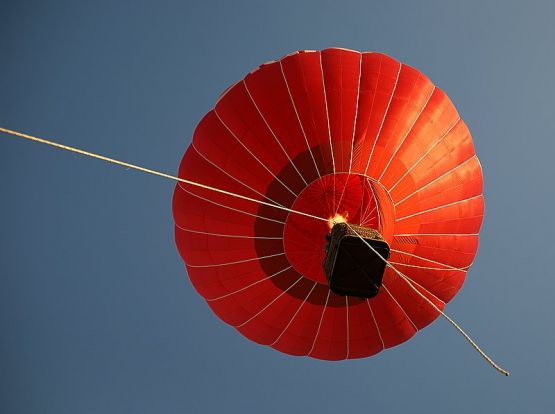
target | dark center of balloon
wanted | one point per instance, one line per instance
(336, 198)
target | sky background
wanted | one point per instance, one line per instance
(97, 314)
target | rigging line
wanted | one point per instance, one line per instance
(153, 172)
(433, 305)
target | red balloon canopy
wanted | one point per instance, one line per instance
(337, 134)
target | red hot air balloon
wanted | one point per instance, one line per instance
(341, 136)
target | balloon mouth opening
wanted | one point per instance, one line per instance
(336, 219)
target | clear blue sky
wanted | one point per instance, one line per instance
(97, 314)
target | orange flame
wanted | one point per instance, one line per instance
(338, 218)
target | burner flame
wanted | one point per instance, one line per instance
(338, 218)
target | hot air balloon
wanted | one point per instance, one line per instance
(343, 137)
(329, 204)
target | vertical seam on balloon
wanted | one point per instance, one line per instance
(406, 135)
(252, 259)
(439, 207)
(353, 135)
(319, 324)
(429, 260)
(376, 323)
(294, 316)
(365, 214)
(323, 188)
(361, 202)
(376, 205)
(254, 156)
(426, 153)
(269, 304)
(328, 123)
(229, 208)
(435, 180)
(342, 193)
(232, 177)
(236, 236)
(327, 112)
(383, 119)
(248, 286)
(356, 113)
(400, 307)
(272, 132)
(373, 99)
(347, 311)
(299, 119)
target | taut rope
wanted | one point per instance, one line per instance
(218, 190)
(433, 305)
(153, 172)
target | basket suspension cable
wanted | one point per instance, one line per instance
(450, 320)
(433, 305)
(153, 172)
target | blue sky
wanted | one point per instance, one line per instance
(96, 310)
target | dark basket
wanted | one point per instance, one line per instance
(352, 268)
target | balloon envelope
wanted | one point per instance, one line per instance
(334, 133)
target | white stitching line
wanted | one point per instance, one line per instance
(444, 249)
(376, 204)
(327, 113)
(356, 113)
(227, 207)
(372, 104)
(443, 269)
(383, 119)
(231, 176)
(430, 260)
(435, 180)
(328, 121)
(319, 324)
(294, 316)
(376, 324)
(269, 304)
(352, 139)
(426, 153)
(353, 135)
(364, 215)
(408, 132)
(237, 262)
(423, 288)
(342, 193)
(368, 217)
(361, 203)
(439, 207)
(400, 307)
(248, 286)
(254, 156)
(272, 132)
(236, 236)
(299, 119)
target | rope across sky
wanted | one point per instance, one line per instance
(217, 190)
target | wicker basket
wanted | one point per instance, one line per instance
(351, 267)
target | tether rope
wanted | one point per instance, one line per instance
(153, 172)
(433, 305)
(218, 190)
